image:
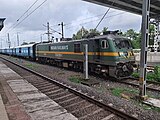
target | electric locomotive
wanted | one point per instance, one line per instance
(110, 54)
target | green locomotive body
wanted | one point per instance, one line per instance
(108, 54)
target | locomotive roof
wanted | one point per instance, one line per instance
(109, 36)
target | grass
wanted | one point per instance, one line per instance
(150, 76)
(31, 66)
(118, 91)
(75, 79)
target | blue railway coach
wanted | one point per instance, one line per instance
(25, 51)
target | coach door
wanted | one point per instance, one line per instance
(29, 52)
(96, 50)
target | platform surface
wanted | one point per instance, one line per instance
(35, 104)
(3, 114)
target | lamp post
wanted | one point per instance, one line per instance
(62, 25)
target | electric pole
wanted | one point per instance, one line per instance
(48, 31)
(17, 39)
(62, 25)
(9, 41)
(41, 38)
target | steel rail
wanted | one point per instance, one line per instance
(79, 93)
(137, 85)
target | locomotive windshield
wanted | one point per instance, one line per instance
(122, 43)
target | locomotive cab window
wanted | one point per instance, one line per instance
(104, 44)
(77, 47)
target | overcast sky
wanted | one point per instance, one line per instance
(74, 14)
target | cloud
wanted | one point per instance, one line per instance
(72, 12)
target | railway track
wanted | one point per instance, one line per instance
(150, 85)
(80, 104)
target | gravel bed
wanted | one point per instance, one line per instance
(101, 91)
(86, 111)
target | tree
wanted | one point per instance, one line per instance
(82, 33)
(24, 43)
(105, 29)
(151, 34)
(94, 31)
(134, 37)
(131, 34)
(137, 42)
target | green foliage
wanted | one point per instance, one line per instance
(157, 72)
(75, 79)
(135, 38)
(137, 42)
(131, 34)
(151, 34)
(30, 65)
(94, 31)
(155, 76)
(82, 33)
(105, 29)
(24, 43)
(117, 91)
(151, 76)
(135, 74)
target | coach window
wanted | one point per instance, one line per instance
(77, 47)
(104, 44)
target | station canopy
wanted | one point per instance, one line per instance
(133, 6)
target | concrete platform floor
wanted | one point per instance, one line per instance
(24, 102)
(3, 114)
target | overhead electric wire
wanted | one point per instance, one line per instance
(104, 15)
(95, 20)
(29, 14)
(53, 30)
(27, 10)
(88, 18)
(23, 14)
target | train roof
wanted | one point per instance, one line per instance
(23, 46)
(110, 36)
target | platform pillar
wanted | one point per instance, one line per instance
(144, 47)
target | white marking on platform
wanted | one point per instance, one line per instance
(37, 104)
(152, 101)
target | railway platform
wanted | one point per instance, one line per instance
(22, 101)
(3, 113)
